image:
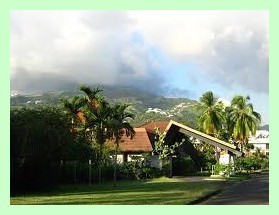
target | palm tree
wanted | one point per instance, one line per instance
(97, 112)
(243, 121)
(119, 126)
(92, 97)
(211, 118)
(74, 108)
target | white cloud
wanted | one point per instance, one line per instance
(228, 47)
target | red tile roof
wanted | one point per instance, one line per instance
(139, 144)
(151, 125)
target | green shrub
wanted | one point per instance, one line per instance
(265, 164)
(251, 163)
(224, 169)
(184, 166)
(138, 169)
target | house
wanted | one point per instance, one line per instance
(143, 141)
(128, 147)
(261, 141)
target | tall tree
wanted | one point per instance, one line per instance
(97, 112)
(93, 97)
(211, 115)
(243, 121)
(119, 126)
(74, 108)
(39, 137)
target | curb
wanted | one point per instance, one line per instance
(203, 198)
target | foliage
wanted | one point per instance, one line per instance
(119, 126)
(139, 102)
(96, 112)
(161, 147)
(224, 169)
(39, 141)
(251, 163)
(207, 153)
(184, 166)
(243, 121)
(211, 116)
(138, 168)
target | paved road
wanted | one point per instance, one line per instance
(254, 191)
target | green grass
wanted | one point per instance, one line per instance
(162, 191)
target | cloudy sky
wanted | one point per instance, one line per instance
(173, 53)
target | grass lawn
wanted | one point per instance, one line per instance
(162, 191)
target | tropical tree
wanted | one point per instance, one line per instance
(39, 137)
(163, 149)
(243, 121)
(119, 126)
(97, 112)
(93, 97)
(211, 116)
(74, 109)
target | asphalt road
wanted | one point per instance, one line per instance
(254, 191)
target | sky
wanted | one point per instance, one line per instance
(181, 53)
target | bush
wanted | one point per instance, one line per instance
(251, 163)
(224, 169)
(38, 140)
(184, 166)
(138, 169)
(265, 164)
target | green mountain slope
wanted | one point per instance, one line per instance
(146, 106)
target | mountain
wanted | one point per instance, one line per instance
(146, 106)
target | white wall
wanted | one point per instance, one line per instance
(225, 159)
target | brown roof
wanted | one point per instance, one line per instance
(140, 143)
(151, 125)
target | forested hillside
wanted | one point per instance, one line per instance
(146, 106)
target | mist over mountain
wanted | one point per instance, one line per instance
(41, 82)
(27, 82)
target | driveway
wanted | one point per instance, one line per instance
(254, 191)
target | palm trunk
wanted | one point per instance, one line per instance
(101, 142)
(115, 164)
(100, 164)
(241, 147)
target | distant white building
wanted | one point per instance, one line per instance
(260, 140)
(38, 101)
(156, 110)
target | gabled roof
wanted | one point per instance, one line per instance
(140, 143)
(178, 127)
